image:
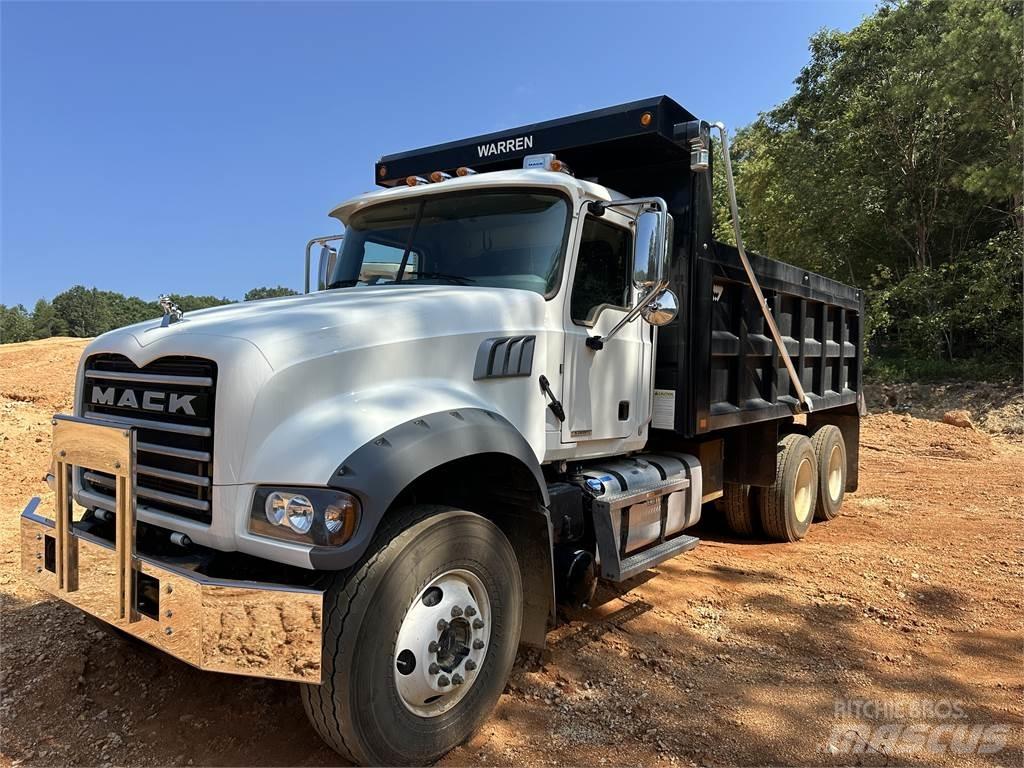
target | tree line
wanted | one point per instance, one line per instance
(85, 312)
(897, 166)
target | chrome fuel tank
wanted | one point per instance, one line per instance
(656, 507)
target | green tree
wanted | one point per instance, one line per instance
(128, 310)
(83, 311)
(15, 324)
(268, 293)
(896, 164)
(45, 322)
(190, 303)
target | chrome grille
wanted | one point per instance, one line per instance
(174, 458)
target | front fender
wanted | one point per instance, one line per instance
(374, 444)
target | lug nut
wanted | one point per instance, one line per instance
(457, 679)
(442, 625)
(433, 669)
(443, 681)
(478, 623)
(456, 611)
(432, 647)
(478, 644)
(470, 611)
(470, 665)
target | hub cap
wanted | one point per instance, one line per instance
(803, 491)
(835, 473)
(442, 643)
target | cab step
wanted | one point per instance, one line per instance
(641, 561)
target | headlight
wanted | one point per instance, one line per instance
(275, 507)
(320, 516)
(300, 514)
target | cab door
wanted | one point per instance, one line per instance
(602, 388)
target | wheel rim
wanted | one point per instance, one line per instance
(803, 491)
(442, 642)
(835, 473)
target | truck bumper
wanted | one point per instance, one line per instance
(221, 625)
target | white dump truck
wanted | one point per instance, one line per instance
(526, 366)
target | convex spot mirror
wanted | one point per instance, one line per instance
(662, 310)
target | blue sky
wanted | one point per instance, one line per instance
(184, 147)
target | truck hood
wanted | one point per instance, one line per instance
(293, 328)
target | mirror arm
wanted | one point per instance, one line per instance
(309, 248)
(598, 342)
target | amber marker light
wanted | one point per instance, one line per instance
(437, 176)
(464, 171)
(645, 119)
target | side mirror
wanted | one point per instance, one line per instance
(652, 250)
(662, 310)
(325, 266)
(646, 262)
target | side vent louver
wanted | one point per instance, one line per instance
(504, 356)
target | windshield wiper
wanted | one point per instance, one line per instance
(457, 279)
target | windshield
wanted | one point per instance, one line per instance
(501, 239)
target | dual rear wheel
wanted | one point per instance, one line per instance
(810, 481)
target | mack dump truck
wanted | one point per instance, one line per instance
(525, 366)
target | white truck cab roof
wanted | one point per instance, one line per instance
(579, 190)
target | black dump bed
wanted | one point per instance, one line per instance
(717, 366)
(719, 358)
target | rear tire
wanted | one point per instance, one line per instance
(383, 705)
(830, 450)
(738, 506)
(787, 505)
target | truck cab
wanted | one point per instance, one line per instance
(525, 366)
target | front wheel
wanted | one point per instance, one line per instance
(418, 641)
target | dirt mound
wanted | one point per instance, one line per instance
(41, 372)
(997, 408)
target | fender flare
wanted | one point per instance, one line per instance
(379, 470)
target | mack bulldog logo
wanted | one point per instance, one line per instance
(146, 400)
(517, 144)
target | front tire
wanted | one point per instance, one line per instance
(443, 584)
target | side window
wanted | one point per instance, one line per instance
(381, 262)
(602, 270)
